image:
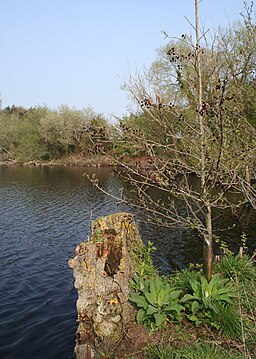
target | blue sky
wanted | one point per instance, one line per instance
(79, 52)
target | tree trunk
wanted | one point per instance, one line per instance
(102, 270)
(208, 245)
(208, 240)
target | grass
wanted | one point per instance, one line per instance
(198, 351)
(242, 272)
(233, 335)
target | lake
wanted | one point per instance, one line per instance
(45, 212)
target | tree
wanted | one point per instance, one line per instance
(19, 136)
(203, 135)
(62, 130)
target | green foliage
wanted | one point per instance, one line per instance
(156, 301)
(43, 134)
(227, 320)
(8, 124)
(224, 304)
(57, 131)
(241, 271)
(232, 267)
(28, 144)
(181, 279)
(205, 297)
(144, 261)
(19, 133)
(222, 245)
(199, 351)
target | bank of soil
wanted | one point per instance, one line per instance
(80, 160)
(70, 161)
(178, 335)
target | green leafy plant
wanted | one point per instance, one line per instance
(156, 301)
(222, 245)
(232, 266)
(244, 241)
(144, 261)
(181, 279)
(203, 302)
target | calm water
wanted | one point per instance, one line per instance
(44, 214)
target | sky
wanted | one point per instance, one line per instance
(80, 52)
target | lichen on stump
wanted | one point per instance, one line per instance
(102, 268)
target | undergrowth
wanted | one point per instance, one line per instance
(223, 310)
(198, 351)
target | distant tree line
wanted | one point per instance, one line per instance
(40, 133)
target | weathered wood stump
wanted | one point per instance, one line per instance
(102, 270)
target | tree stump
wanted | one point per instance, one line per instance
(102, 268)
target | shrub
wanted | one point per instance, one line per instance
(181, 279)
(205, 298)
(156, 301)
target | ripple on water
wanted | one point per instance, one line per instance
(44, 214)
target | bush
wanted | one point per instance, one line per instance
(156, 301)
(204, 298)
(181, 279)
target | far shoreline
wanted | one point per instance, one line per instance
(78, 160)
(72, 161)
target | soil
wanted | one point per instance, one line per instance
(137, 337)
(179, 335)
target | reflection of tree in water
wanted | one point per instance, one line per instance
(177, 247)
(66, 196)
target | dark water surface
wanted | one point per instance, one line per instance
(44, 213)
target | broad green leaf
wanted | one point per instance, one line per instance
(187, 298)
(141, 315)
(158, 284)
(151, 297)
(206, 302)
(139, 300)
(151, 310)
(174, 294)
(194, 285)
(195, 306)
(162, 297)
(174, 307)
(160, 318)
(205, 287)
